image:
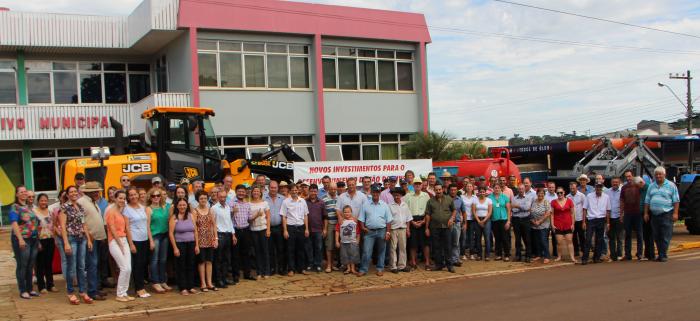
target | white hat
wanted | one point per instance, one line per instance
(582, 177)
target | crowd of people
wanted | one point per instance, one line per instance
(214, 239)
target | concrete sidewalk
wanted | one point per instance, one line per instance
(54, 306)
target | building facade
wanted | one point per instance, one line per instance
(336, 83)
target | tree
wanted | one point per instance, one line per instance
(473, 150)
(431, 146)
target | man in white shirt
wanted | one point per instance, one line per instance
(295, 224)
(227, 238)
(579, 200)
(549, 196)
(596, 215)
(615, 226)
(399, 231)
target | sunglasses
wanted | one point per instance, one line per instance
(155, 195)
(560, 193)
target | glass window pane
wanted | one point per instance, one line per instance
(114, 67)
(231, 70)
(42, 153)
(347, 73)
(65, 88)
(385, 54)
(139, 67)
(390, 137)
(7, 64)
(328, 51)
(406, 137)
(90, 66)
(276, 48)
(390, 151)
(351, 152)
(280, 140)
(257, 150)
(366, 53)
(38, 88)
(350, 138)
(404, 55)
(44, 175)
(333, 153)
(298, 49)
(115, 88)
(255, 47)
(234, 153)
(347, 51)
(64, 66)
(370, 152)
(90, 88)
(69, 152)
(207, 70)
(329, 73)
(230, 46)
(368, 78)
(332, 139)
(299, 72)
(254, 71)
(306, 152)
(206, 45)
(257, 140)
(228, 141)
(8, 88)
(387, 76)
(404, 73)
(370, 138)
(139, 87)
(277, 75)
(303, 140)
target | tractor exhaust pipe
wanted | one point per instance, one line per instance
(118, 136)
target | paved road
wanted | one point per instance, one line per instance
(609, 291)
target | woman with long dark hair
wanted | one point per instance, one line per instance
(25, 243)
(183, 238)
(207, 239)
(75, 241)
(44, 260)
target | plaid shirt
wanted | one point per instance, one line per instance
(241, 215)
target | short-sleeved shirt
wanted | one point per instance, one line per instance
(417, 203)
(482, 208)
(614, 196)
(26, 220)
(137, 222)
(349, 231)
(630, 197)
(596, 206)
(468, 201)
(524, 204)
(500, 210)
(579, 202)
(562, 214)
(643, 196)
(294, 211)
(45, 225)
(375, 215)
(661, 198)
(317, 213)
(260, 223)
(222, 212)
(356, 202)
(93, 218)
(440, 211)
(331, 210)
(459, 207)
(115, 220)
(75, 218)
(241, 213)
(538, 211)
(401, 215)
(275, 206)
(386, 196)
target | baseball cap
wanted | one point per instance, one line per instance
(156, 179)
(398, 190)
(171, 187)
(340, 184)
(375, 188)
(185, 181)
(392, 178)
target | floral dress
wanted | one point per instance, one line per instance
(75, 217)
(206, 230)
(26, 219)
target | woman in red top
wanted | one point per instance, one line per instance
(564, 212)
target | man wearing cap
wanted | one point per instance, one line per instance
(439, 217)
(583, 187)
(661, 209)
(386, 193)
(401, 215)
(79, 179)
(417, 201)
(156, 182)
(276, 246)
(596, 215)
(96, 227)
(352, 197)
(375, 220)
(284, 189)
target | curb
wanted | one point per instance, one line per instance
(687, 246)
(201, 306)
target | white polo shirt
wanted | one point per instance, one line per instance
(294, 211)
(597, 206)
(222, 213)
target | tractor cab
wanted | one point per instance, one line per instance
(184, 142)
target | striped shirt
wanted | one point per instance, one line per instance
(331, 209)
(241, 213)
(661, 198)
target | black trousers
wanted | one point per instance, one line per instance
(554, 243)
(44, 263)
(595, 228)
(185, 266)
(649, 247)
(139, 263)
(295, 248)
(615, 238)
(262, 258)
(442, 246)
(103, 271)
(277, 250)
(521, 230)
(222, 257)
(240, 253)
(502, 236)
(579, 238)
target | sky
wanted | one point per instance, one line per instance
(481, 85)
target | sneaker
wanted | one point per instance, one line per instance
(506, 259)
(318, 269)
(498, 258)
(395, 271)
(122, 299)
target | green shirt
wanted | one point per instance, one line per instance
(159, 219)
(500, 212)
(440, 211)
(417, 203)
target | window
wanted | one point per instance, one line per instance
(367, 69)
(8, 83)
(363, 147)
(115, 88)
(390, 151)
(90, 88)
(139, 86)
(161, 75)
(306, 152)
(46, 164)
(253, 65)
(39, 88)
(65, 87)
(333, 153)
(351, 152)
(370, 152)
(244, 147)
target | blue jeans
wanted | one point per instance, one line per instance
(73, 265)
(159, 258)
(91, 261)
(314, 249)
(594, 226)
(456, 243)
(25, 259)
(541, 239)
(633, 222)
(662, 230)
(484, 232)
(368, 241)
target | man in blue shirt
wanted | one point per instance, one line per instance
(276, 243)
(661, 209)
(616, 227)
(456, 231)
(375, 220)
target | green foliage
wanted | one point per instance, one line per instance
(439, 146)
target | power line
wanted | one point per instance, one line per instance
(605, 131)
(598, 19)
(451, 29)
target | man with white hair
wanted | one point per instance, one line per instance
(661, 209)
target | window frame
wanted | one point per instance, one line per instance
(13, 70)
(335, 56)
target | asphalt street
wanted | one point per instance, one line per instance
(607, 291)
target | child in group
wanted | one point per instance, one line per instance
(346, 238)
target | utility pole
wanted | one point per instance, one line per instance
(689, 104)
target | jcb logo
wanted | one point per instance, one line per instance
(136, 168)
(191, 172)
